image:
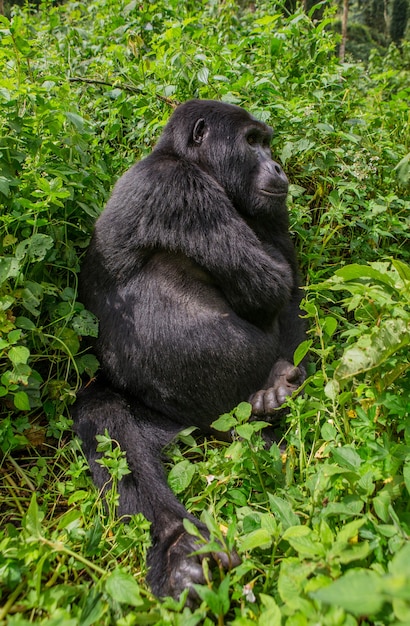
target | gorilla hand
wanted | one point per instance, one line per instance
(283, 381)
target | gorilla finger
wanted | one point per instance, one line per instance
(283, 392)
(271, 401)
(257, 403)
(227, 560)
(294, 375)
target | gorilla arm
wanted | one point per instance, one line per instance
(284, 378)
(187, 211)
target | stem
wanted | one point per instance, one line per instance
(58, 546)
(5, 609)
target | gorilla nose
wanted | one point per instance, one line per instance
(278, 173)
(276, 181)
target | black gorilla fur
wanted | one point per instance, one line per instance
(193, 276)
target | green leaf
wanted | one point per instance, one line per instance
(33, 518)
(245, 431)
(123, 588)
(181, 475)
(301, 351)
(283, 511)
(19, 354)
(374, 348)
(36, 247)
(355, 272)
(260, 538)
(21, 401)
(403, 269)
(304, 541)
(359, 592)
(238, 497)
(67, 341)
(203, 75)
(87, 363)
(347, 457)
(224, 423)
(400, 564)
(9, 267)
(85, 324)
(271, 614)
(93, 610)
(243, 411)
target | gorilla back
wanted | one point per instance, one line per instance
(193, 276)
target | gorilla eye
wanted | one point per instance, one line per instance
(252, 139)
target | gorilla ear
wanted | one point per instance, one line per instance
(198, 133)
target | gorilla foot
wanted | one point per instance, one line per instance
(283, 381)
(173, 567)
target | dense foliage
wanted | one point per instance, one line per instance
(322, 527)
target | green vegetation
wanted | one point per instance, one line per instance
(323, 529)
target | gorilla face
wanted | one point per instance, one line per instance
(234, 148)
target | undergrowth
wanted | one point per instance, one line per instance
(321, 519)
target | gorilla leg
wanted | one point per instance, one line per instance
(142, 434)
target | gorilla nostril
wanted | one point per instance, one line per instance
(278, 169)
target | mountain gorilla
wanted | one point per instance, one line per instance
(193, 276)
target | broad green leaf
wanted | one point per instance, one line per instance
(355, 271)
(93, 609)
(67, 341)
(76, 120)
(329, 325)
(400, 563)
(224, 423)
(18, 354)
(354, 552)
(347, 457)
(21, 401)
(181, 475)
(403, 170)
(35, 247)
(271, 614)
(350, 505)
(359, 592)
(283, 511)
(373, 349)
(243, 411)
(87, 363)
(332, 389)
(402, 268)
(304, 541)
(238, 497)
(257, 539)
(211, 598)
(350, 530)
(9, 267)
(86, 324)
(245, 431)
(293, 575)
(203, 75)
(123, 588)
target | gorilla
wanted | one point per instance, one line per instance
(193, 276)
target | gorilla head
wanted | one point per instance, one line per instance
(234, 148)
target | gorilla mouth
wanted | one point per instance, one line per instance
(274, 194)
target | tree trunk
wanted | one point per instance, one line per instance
(398, 20)
(342, 50)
